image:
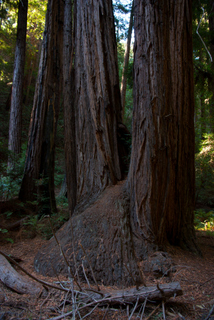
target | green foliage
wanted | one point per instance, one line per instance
(204, 220)
(204, 163)
(10, 181)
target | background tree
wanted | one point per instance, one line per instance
(126, 62)
(15, 125)
(39, 166)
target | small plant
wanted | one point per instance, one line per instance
(3, 230)
(204, 220)
(10, 181)
(204, 165)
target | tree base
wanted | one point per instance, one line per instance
(100, 239)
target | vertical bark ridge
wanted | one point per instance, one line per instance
(161, 176)
(97, 98)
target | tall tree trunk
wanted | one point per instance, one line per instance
(161, 177)
(69, 114)
(15, 124)
(211, 79)
(39, 167)
(97, 104)
(126, 63)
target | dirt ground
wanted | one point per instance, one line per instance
(195, 274)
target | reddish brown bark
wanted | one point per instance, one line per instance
(161, 177)
(69, 114)
(97, 99)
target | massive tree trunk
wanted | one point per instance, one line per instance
(39, 167)
(112, 234)
(97, 99)
(69, 114)
(15, 124)
(161, 178)
(103, 228)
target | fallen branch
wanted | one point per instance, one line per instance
(15, 281)
(44, 283)
(129, 296)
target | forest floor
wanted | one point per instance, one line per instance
(195, 275)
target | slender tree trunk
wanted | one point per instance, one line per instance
(15, 124)
(126, 63)
(69, 114)
(161, 177)
(97, 104)
(39, 167)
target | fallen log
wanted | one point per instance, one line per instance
(158, 292)
(15, 281)
(133, 296)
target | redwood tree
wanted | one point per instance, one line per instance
(39, 167)
(160, 186)
(69, 114)
(161, 177)
(97, 99)
(15, 124)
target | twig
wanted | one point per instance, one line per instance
(88, 314)
(62, 252)
(72, 240)
(210, 313)
(107, 309)
(44, 283)
(90, 267)
(134, 308)
(206, 281)
(153, 312)
(163, 308)
(197, 32)
(144, 306)
(85, 275)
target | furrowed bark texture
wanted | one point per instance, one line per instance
(69, 114)
(126, 62)
(15, 124)
(97, 104)
(41, 144)
(161, 176)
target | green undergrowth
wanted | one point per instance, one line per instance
(204, 221)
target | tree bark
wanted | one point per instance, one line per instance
(97, 99)
(161, 177)
(15, 124)
(126, 63)
(69, 113)
(38, 176)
